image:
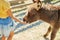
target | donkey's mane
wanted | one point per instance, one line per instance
(49, 11)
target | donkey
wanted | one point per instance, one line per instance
(47, 13)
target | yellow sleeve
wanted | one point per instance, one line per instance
(5, 6)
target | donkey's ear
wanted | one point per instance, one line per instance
(39, 4)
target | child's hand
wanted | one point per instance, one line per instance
(23, 22)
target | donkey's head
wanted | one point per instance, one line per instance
(32, 14)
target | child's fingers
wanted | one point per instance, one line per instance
(23, 22)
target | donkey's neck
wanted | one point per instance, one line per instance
(46, 14)
(43, 15)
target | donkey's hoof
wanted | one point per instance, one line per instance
(46, 38)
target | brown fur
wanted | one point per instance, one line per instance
(47, 13)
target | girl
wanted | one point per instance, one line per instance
(6, 23)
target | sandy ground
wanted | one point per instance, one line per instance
(35, 33)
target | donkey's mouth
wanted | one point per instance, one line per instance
(25, 20)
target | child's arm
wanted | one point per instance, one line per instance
(11, 15)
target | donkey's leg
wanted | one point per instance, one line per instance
(54, 31)
(49, 30)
